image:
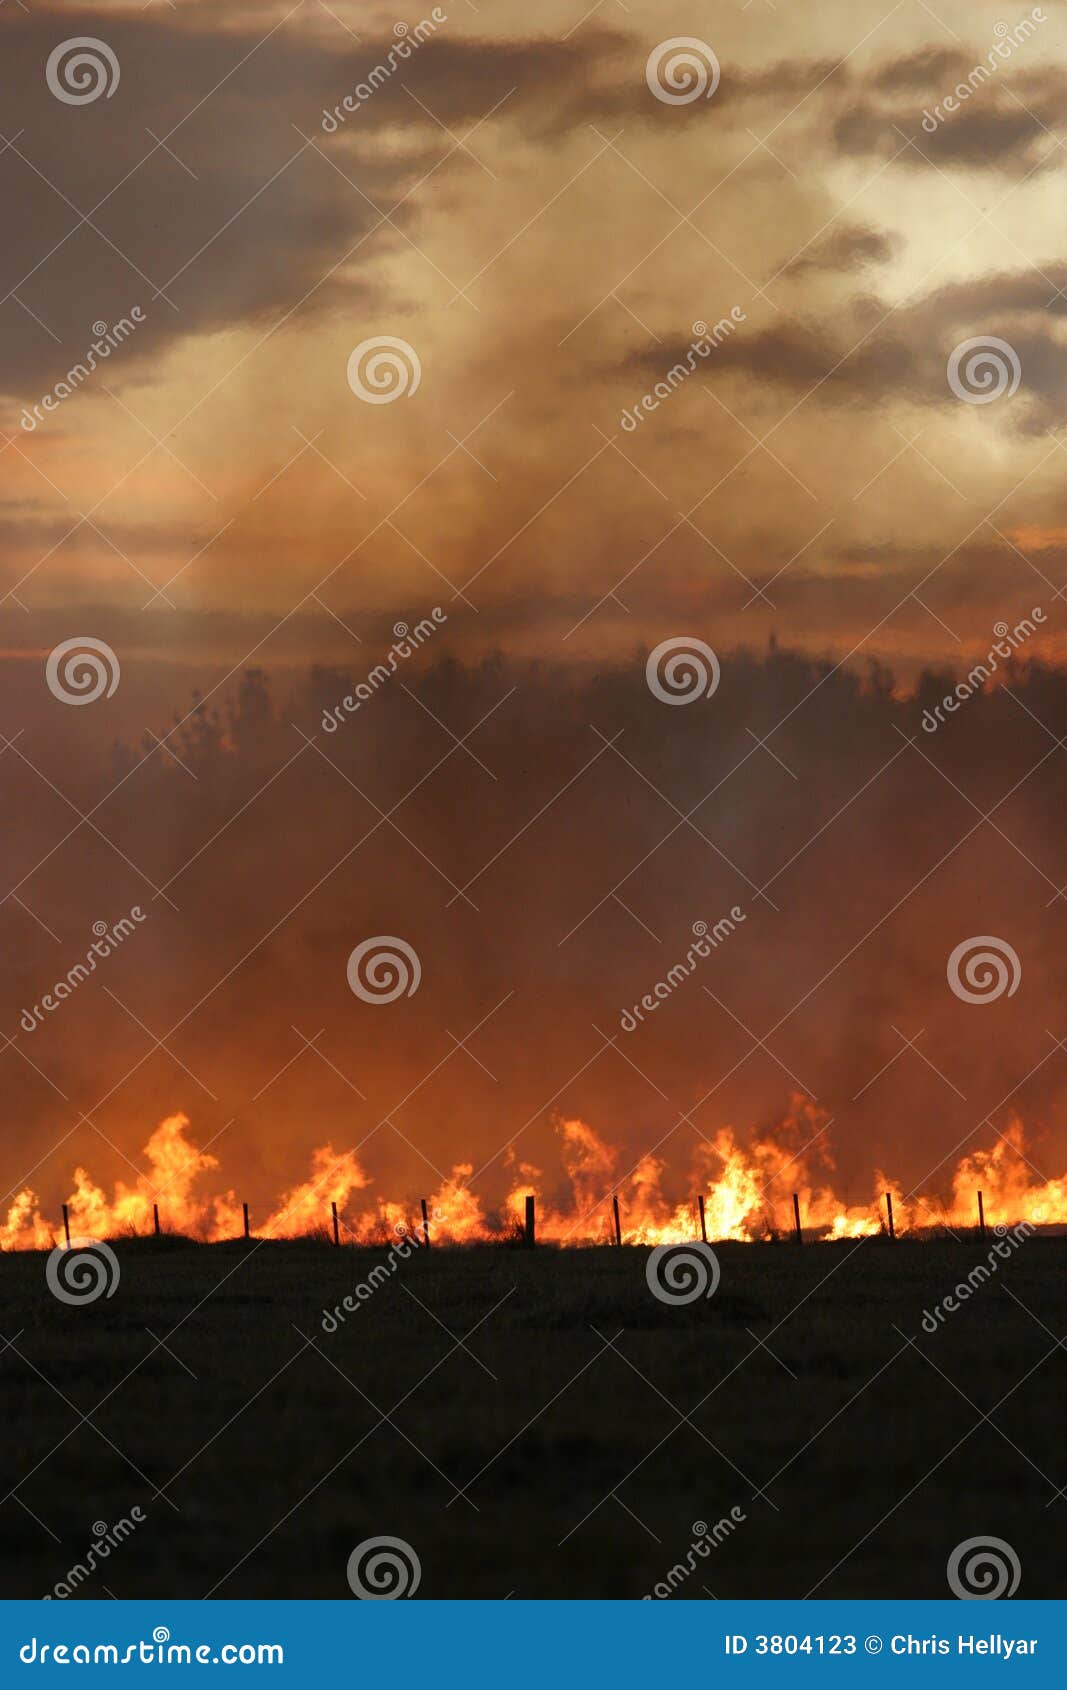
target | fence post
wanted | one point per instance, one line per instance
(618, 1222)
(889, 1211)
(155, 1218)
(66, 1224)
(425, 1224)
(336, 1228)
(703, 1221)
(981, 1218)
(796, 1218)
(247, 1233)
(529, 1237)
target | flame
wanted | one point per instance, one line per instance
(748, 1189)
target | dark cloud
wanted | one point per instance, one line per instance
(852, 246)
(236, 220)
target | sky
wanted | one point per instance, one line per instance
(515, 204)
(764, 352)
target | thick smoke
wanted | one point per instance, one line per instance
(548, 871)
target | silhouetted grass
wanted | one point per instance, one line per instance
(592, 1423)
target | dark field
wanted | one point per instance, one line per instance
(585, 1466)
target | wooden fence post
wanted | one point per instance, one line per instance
(66, 1225)
(796, 1218)
(425, 1224)
(889, 1211)
(981, 1218)
(529, 1236)
(336, 1228)
(247, 1233)
(618, 1222)
(703, 1221)
(155, 1218)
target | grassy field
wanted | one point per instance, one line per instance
(577, 1426)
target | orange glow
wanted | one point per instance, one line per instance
(748, 1191)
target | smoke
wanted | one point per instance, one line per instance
(545, 840)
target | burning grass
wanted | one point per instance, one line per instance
(747, 1183)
